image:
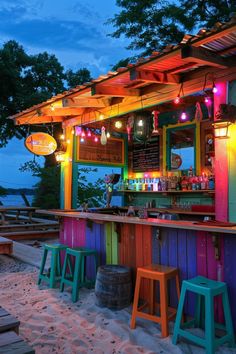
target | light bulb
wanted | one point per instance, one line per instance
(62, 137)
(183, 116)
(82, 140)
(83, 134)
(101, 116)
(118, 124)
(95, 139)
(214, 88)
(89, 134)
(140, 123)
(177, 100)
(103, 138)
(108, 135)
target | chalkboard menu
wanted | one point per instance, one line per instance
(146, 157)
(110, 154)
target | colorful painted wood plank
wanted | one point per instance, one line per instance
(230, 272)
(95, 240)
(72, 232)
(111, 243)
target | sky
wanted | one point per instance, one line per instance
(72, 30)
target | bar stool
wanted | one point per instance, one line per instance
(76, 276)
(155, 272)
(54, 274)
(208, 289)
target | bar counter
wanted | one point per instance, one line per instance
(194, 248)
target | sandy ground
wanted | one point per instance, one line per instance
(51, 323)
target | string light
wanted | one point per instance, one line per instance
(118, 124)
(183, 116)
(177, 98)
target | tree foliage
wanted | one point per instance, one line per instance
(92, 193)
(77, 78)
(3, 191)
(151, 24)
(28, 80)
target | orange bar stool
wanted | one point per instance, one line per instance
(155, 272)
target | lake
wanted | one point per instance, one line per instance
(15, 200)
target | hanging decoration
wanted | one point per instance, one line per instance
(143, 126)
(103, 137)
(129, 126)
(155, 121)
(198, 113)
(177, 98)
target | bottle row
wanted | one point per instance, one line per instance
(172, 183)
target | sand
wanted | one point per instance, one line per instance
(51, 323)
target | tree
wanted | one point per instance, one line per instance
(28, 80)
(87, 191)
(151, 24)
(77, 78)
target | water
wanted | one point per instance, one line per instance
(15, 199)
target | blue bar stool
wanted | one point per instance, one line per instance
(54, 274)
(75, 274)
(205, 289)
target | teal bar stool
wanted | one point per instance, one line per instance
(54, 275)
(74, 270)
(205, 289)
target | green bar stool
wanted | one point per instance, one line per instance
(54, 275)
(74, 273)
(205, 289)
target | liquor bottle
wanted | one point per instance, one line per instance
(155, 185)
(159, 186)
(184, 183)
(211, 183)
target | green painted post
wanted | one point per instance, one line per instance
(111, 244)
(62, 182)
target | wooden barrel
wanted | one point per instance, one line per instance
(113, 287)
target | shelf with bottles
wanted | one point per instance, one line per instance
(167, 185)
(208, 191)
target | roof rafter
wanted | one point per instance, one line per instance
(204, 57)
(153, 76)
(113, 91)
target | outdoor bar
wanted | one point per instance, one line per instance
(168, 123)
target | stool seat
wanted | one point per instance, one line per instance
(155, 272)
(53, 275)
(75, 274)
(206, 289)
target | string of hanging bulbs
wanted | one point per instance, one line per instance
(207, 96)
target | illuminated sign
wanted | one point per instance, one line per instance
(41, 144)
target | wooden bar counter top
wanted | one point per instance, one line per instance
(209, 226)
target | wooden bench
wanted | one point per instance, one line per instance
(11, 343)
(31, 234)
(8, 322)
(6, 246)
(33, 226)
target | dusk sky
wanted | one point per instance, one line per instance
(72, 30)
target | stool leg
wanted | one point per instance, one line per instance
(164, 308)
(228, 318)
(209, 324)
(179, 314)
(76, 279)
(198, 311)
(152, 297)
(53, 269)
(63, 275)
(135, 303)
(42, 265)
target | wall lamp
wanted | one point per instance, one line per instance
(221, 129)
(225, 116)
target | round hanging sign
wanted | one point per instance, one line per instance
(41, 144)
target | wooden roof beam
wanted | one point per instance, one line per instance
(113, 91)
(204, 57)
(86, 102)
(61, 111)
(153, 77)
(38, 120)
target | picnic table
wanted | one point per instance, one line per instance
(13, 213)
